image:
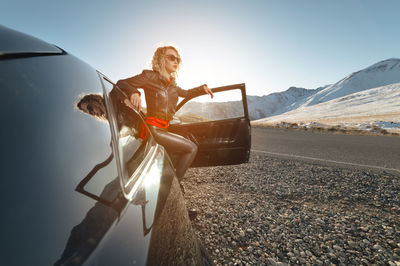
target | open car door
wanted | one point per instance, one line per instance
(219, 126)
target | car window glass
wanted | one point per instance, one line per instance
(132, 142)
(224, 105)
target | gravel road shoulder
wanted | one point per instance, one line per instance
(276, 211)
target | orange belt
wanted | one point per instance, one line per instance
(157, 122)
(154, 122)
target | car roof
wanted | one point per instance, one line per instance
(13, 42)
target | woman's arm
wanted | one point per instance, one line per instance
(130, 87)
(188, 93)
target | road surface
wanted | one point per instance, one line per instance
(380, 153)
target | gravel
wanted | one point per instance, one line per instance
(285, 212)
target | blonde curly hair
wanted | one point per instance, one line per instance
(158, 62)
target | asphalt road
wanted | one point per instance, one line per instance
(379, 153)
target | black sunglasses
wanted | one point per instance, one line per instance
(173, 58)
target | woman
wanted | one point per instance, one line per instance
(161, 93)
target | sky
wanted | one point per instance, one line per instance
(268, 45)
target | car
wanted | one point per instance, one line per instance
(80, 184)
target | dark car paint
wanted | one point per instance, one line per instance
(49, 146)
(14, 43)
(162, 223)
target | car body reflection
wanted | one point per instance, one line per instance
(161, 212)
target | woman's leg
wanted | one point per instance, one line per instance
(174, 144)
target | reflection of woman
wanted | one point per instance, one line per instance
(93, 104)
(161, 93)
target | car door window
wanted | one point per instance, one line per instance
(132, 143)
(224, 105)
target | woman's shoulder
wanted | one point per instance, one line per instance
(149, 73)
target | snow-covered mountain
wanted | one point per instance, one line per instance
(380, 74)
(365, 98)
(279, 102)
(369, 105)
(258, 106)
(297, 99)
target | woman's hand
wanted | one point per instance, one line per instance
(134, 102)
(207, 90)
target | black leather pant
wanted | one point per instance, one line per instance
(177, 146)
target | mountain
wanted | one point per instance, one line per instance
(297, 99)
(364, 98)
(375, 104)
(258, 106)
(383, 73)
(380, 74)
(279, 102)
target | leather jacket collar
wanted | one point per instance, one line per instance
(164, 80)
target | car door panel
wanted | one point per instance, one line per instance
(220, 142)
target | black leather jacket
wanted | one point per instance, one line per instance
(161, 97)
